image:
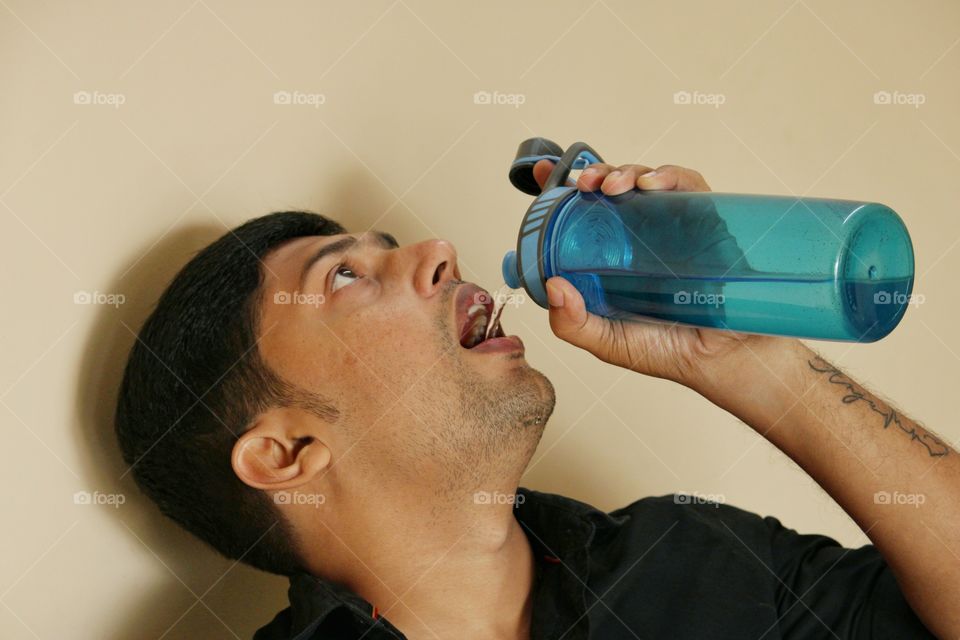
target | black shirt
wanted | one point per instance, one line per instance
(664, 567)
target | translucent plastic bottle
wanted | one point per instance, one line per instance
(803, 267)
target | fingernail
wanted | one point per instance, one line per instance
(589, 171)
(649, 174)
(554, 296)
(614, 175)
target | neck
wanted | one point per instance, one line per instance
(458, 568)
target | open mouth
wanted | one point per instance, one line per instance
(477, 319)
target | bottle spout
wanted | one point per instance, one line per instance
(509, 269)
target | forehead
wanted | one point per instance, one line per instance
(281, 268)
(284, 262)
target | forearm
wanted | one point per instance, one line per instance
(861, 451)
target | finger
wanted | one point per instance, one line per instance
(591, 177)
(569, 318)
(623, 179)
(672, 178)
(542, 171)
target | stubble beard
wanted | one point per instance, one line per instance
(494, 425)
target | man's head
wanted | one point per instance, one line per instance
(289, 357)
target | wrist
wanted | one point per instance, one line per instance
(758, 377)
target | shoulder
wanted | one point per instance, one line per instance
(701, 518)
(693, 523)
(696, 510)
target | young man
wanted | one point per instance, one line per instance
(313, 403)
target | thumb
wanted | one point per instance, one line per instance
(570, 320)
(541, 171)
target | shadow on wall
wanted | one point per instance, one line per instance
(236, 599)
(190, 565)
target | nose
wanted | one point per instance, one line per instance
(437, 265)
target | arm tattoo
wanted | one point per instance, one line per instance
(934, 446)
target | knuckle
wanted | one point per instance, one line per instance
(693, 173)
(599, 166)
(699, 180)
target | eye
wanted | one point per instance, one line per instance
(343, 276)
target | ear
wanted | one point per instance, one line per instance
(280, 451)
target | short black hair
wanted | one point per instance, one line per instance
(193, 382)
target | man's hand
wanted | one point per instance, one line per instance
(852, 443)
(676, 352)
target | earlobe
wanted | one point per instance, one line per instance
(271, 456)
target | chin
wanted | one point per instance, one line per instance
(542, 395)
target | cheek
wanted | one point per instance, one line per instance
(394, 346)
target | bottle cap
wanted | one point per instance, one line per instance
(509, 269)
(530, 152)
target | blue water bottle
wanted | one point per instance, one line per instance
(804, 267)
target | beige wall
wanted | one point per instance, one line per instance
(115, 199)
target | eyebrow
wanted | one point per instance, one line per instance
(384, 240)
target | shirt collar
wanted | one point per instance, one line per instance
(560, 530)
(559, 525)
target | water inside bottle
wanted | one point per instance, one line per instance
(778, 303)
(832, 270)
